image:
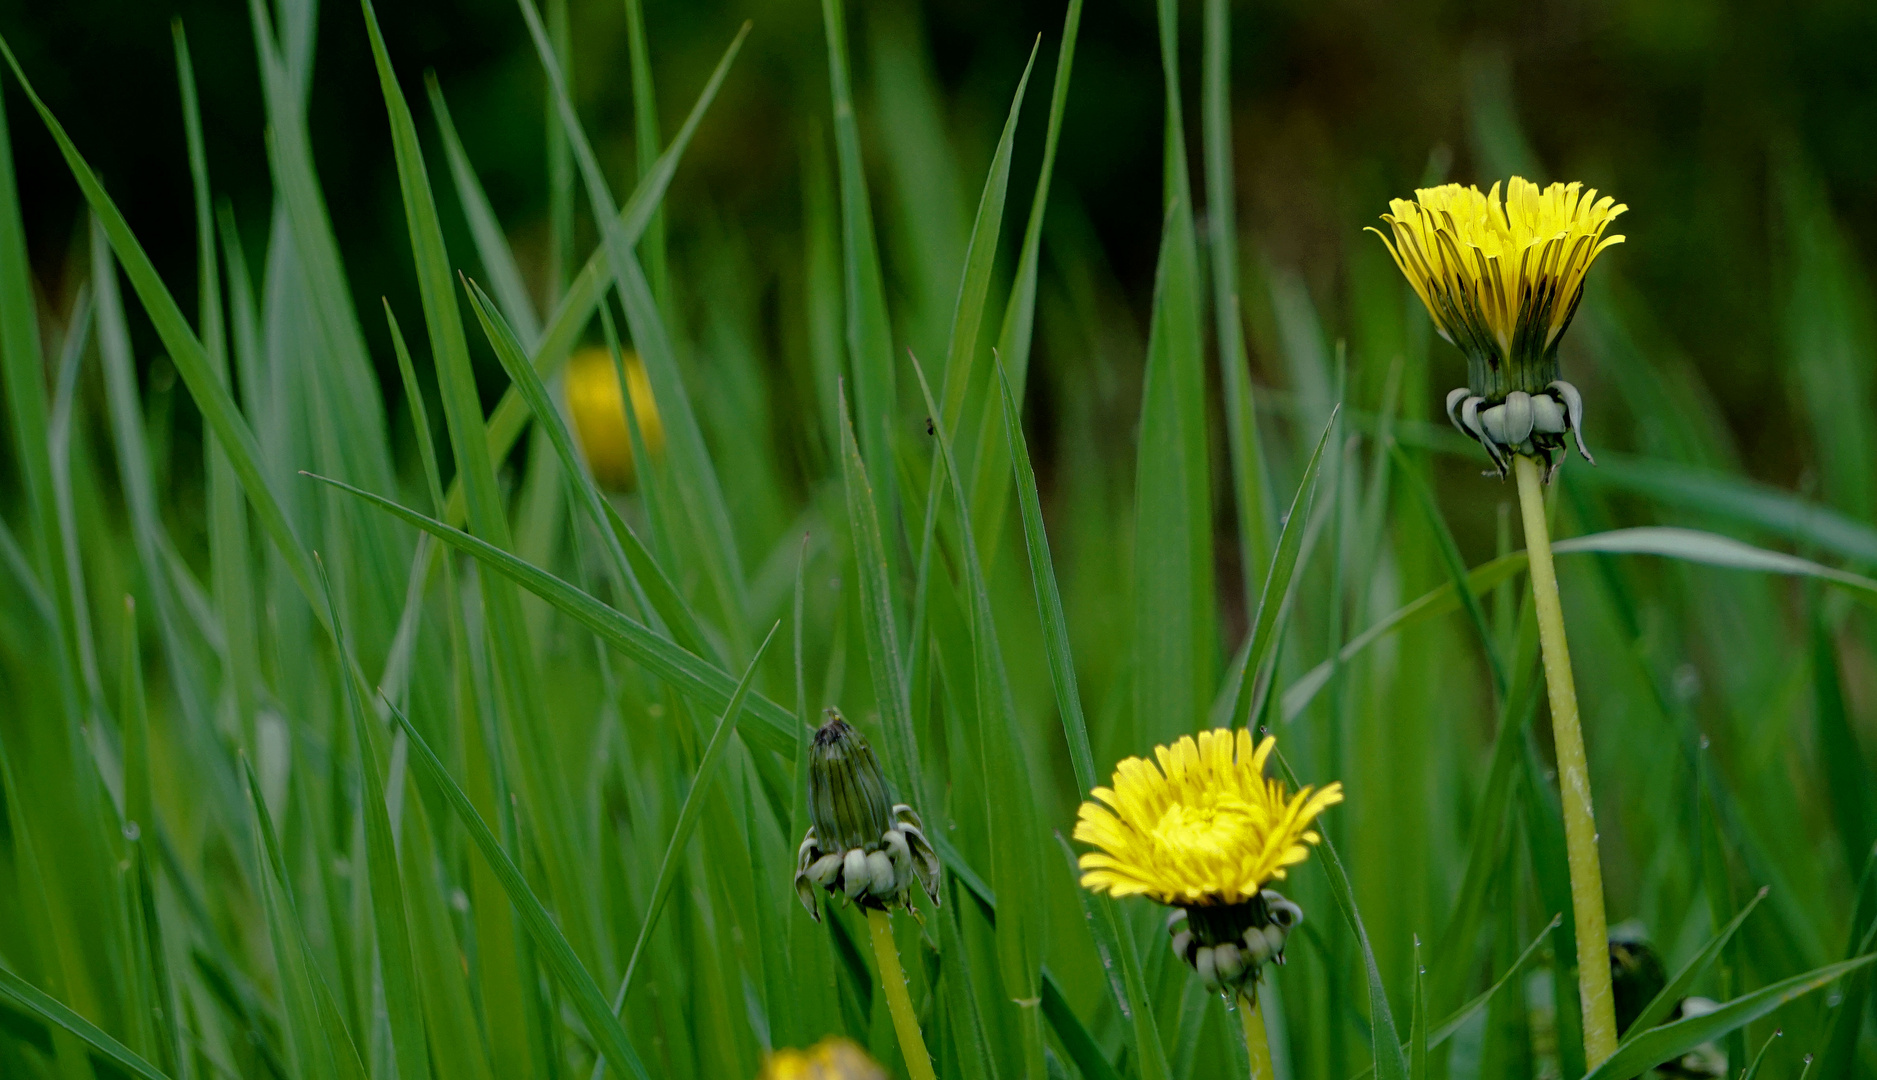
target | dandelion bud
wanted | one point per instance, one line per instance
(862, 845)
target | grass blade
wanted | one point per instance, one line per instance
(1672, 1040)
(1664, 1002)
(558, 956)
(491, 244)
(35, 1001)
(688, 814)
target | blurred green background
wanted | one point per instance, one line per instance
(1727, 350)
(1738, 133)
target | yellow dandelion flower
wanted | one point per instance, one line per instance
(1502, 279)
(1204, 827)
(599, 414)
(833, 1058)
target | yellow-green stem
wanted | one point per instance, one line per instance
(1580, 823)
(1257, 1046)
(898, 1002)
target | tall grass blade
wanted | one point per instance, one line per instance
(556, 954)
(1664, 1002)
(37, 1002)
(1672, 1040)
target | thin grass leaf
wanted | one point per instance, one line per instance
(1113, 934)
(1249, 480)
(875, 572)
(1391, 1062)
(688, 815)
(33, 1000)
(1670, 1041)
(697, 677)
(498, 260)
(1272, 599)
(1011, 810)
(869, 331)
(980, 259)
(989, 491)
(698, 487)
(390, 921)
(583, 293)
(1677, 988)
(557, 955)
(645, 138)
(185, 351)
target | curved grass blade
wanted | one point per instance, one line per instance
(1277, 583)
(498, 260)
(878, 617)
(1635, 1056)
(980, 260)
(554, 951)
(1664, 1002)
(35, 1001)
(1113, 934)
(688, 813)
(185, 352)
(989, 493)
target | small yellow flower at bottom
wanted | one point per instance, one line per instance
(1205, 831)
(833, 1058)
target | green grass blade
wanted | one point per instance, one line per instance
(1014, 833)
(1664, 1002)
(185, 351)
(881, 623)
(1274, 597)
(645, 139)
(558, 956)
(980, 259)
(491, 244)
(1454, 564)
(707, 683)
(989, 486)
(1672, 1040)
(35, 1001)
(390, 921)
(1390, 1062)
(583, 294)
(1249, 480)
(698, 486)
(688, 815)
(869, 331)
(548, 419)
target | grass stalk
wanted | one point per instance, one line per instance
(893, 981)
(1580, 825)
(1257, 1043)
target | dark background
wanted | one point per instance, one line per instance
(1693, 113)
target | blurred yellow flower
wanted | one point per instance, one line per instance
(599, 414)
(1500, 277)
(833, 1058)
(1202, 828)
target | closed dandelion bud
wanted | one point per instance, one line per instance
(598, 409)
(862, 845)
(1502, 278)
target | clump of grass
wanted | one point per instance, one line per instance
(397, 767)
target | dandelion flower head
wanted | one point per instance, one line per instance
(1203, 826)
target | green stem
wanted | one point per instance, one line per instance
(1580, 824)
(898, 1002)
(1257, 1045)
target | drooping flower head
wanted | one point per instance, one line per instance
(1502, 278)
(1205, 831)
(833, 1058)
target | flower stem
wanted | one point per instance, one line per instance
(898, 1002)
(1257, 1046)
(1580, 825)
